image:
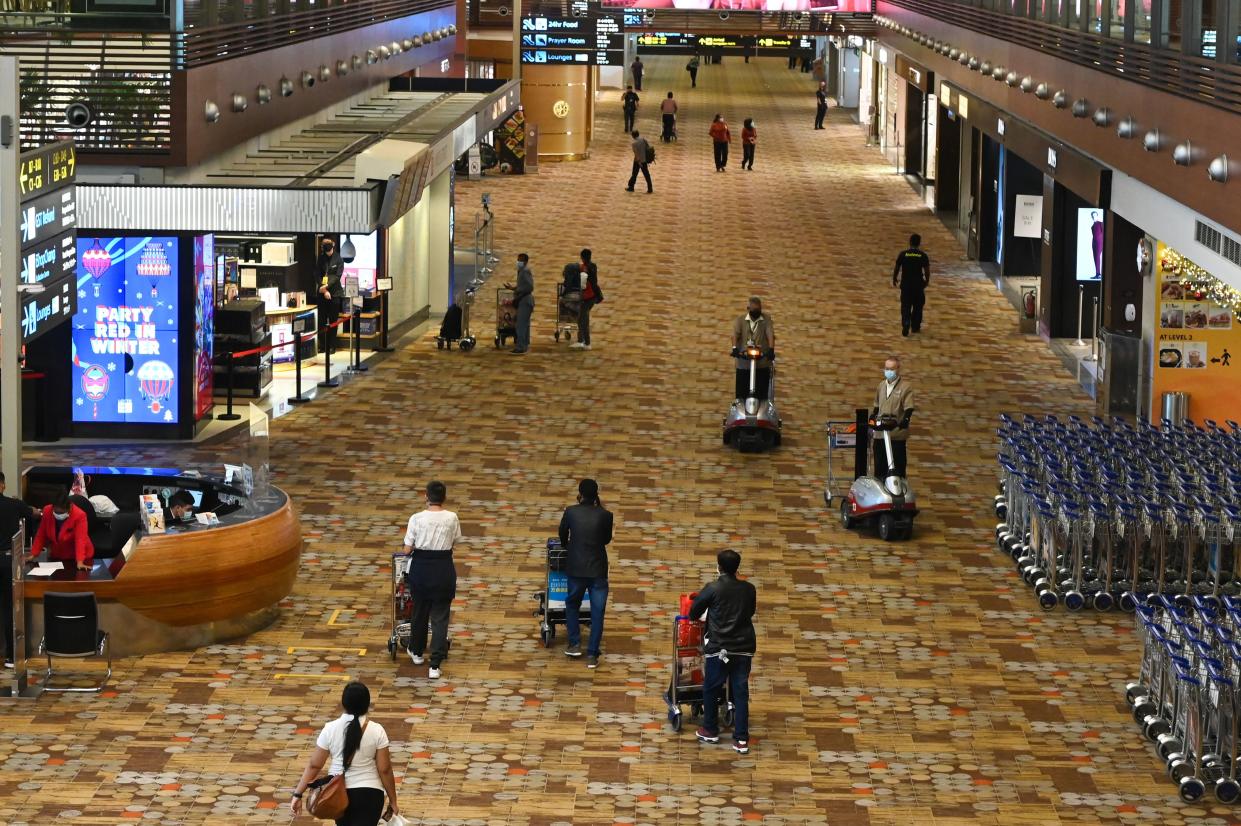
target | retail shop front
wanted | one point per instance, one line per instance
(1170, 333)
(906, 114)
(171, 280)
(1029, 204)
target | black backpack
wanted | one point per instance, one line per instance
(650, 153)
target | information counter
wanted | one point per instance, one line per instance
(190, 586)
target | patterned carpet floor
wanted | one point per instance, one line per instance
(907, 683)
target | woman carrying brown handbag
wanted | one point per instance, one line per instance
(357, 748)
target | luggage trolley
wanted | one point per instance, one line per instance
(402, 605)
(568, 304)
(551, 610)
(840, 436)
(688, 669)
(506, 317)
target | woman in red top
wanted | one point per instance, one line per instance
(63, 531)
(721, 137)
(749, 137)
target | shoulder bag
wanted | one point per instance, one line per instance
(327, 798)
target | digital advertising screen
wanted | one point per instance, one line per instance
(365, 263)
(204, 323)
(825, 6)
(1090, 244)
(125, 347)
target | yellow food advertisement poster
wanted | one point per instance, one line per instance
(1197, 341)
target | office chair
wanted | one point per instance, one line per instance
(71, 629)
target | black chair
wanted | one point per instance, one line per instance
(71, 629)
(97, 529)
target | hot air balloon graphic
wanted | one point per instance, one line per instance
(96, 260)
(95, 385)
(153, 265)
(155, 383)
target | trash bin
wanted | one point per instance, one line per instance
(1175, 407)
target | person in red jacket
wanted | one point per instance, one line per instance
(720, 137)
(749, 137)
(63, 531)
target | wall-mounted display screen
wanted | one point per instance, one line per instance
(125, 338)
(204, 323)
(1090, 244)
(365, 263)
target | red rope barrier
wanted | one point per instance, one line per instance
(240, 354)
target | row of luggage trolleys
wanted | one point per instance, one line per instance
(1098, 514)
(1187, 698)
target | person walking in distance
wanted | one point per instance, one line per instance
(585, 531)
(355, 746)
(637, 69)
(523, 300)
(432, 577)
(720, 138)
(728, 645)
(692, 68)
(894, 397)
(641, 151)
(912, 273)
(629, 102)
(588, 274)
(749, 137)
(820, 106)
(668, 108)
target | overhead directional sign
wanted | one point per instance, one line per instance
(51, 260)
(45, 169)
(594, 40)
(53, 305)
(46, 216)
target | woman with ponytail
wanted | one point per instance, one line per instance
(358, 748)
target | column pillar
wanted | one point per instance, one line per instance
(558, 99)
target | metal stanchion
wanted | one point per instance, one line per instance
(1094, 334)
(297, 361)
(355, 326)
(18, 686)
(229, 415)
(383, 321)
(328, 381)
(1081, 295)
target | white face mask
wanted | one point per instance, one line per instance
(60, 517)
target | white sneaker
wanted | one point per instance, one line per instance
(434, 673)
(577, 345)
(585, 346)
(416, 659)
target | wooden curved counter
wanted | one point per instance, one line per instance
(185, 589)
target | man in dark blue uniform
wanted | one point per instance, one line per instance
(912, 274)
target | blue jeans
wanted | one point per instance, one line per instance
(578, 586)
(737, 672)
(525, 309)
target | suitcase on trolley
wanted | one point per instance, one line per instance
(551, 610)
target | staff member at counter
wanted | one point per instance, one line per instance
(63, 531)
(331, 267)
(180, 508)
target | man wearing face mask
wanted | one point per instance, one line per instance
(755, 326)
(180, 508)
(432, 576)
(523, 300)
(327, 299)
(894, 397)
(63, 531)
(585, 531)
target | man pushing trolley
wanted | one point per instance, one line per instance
(728, 649)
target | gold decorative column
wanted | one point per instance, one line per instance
(557, 98)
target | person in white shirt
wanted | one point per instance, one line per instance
(432, 577)
(358, 748)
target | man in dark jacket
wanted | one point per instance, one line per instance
(585, 531)
(588, 272)
(728, 648)
(330, 266)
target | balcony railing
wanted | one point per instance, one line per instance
(1199, 79)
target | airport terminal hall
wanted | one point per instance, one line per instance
(516, 413)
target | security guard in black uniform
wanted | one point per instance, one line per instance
(912, 274)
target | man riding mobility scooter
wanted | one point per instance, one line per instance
(889, 501)
(752, 423)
